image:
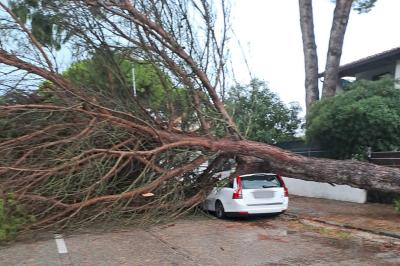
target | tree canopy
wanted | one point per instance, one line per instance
(112, 74)
(47, 27)
(261, 115)
(367, 114)
(363, 6)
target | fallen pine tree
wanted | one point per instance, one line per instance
(71, 153)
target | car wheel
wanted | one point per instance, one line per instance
(219, 210)
(276, 214)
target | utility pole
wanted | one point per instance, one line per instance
(133, 81)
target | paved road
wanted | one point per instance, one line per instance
(205, 241)
(371, 216)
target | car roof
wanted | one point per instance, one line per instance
(257, 174)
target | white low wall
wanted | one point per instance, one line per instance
(324, 190)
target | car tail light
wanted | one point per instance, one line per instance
(283, 185)
(237, 194)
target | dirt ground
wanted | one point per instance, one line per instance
(295, 238)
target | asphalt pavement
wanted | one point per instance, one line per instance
(284, 240)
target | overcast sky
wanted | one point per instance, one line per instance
(270, 35)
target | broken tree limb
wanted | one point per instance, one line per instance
(354, 173)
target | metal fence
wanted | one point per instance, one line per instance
(301, 148)
(386, 158)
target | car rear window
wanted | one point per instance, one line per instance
(260, 181)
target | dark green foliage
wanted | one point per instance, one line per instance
(363, 6)
(261, 115)
(366, 115)
(47, 27)
(12, 218)
(9, 127)
(397, 204)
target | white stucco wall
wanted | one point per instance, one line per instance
(325, 190)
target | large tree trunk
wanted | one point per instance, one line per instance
(338, 30)
(362, 175)
(348, 172)
(310, 52)
(345, 172)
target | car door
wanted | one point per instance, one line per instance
(222, 192)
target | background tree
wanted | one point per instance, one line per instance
(365, 115)
(111, 75)
(47, 27)
(310, 52)
(261, 115)
(339, 24)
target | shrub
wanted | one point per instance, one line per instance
(12, 218)
(366, 115)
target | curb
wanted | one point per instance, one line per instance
(348, 226)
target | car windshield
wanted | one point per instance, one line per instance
(260, 181)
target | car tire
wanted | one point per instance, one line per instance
(219, 210)
(275, 214)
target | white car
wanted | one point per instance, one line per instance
(249, 194)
